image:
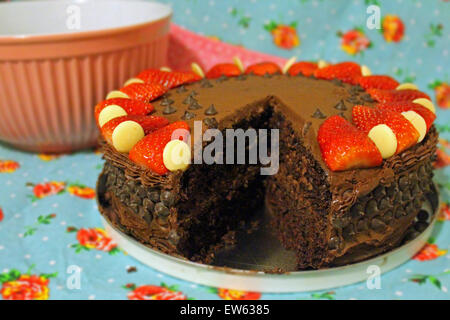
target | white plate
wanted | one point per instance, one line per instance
(246, 280)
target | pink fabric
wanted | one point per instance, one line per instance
(186, 47)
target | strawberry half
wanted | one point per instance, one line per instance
(402, 106)
(262, 68)
(345, 147)
(366, 118)
(148, 124)
(148, 152)
(131, 107)
(144, 91)
(383, 96)
(378, 82)
(303, 67)
(223, 69)
(167, 79)
(348, 72)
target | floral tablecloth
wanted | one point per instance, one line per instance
(52, 244)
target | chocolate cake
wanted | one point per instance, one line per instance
(326, 217)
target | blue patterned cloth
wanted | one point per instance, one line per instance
(49, 219)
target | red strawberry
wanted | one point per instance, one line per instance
(168, 79)
(366, 118)
(381, 95)
(378, 82)
(262, 68)
(400, 106)
(223, 69)
(304, 67)
(348, 72)
(131, 107)
(345, 147)
(144, 91)
(148, 123)
(148, 152)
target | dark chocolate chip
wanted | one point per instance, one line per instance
(189, 100)
(206, 84)
(372, 208)
(412, 234)
(377, 224)
(222, 78)
(417, 203)
(154, 195)
(168, 198)
(181, 89)
(349, 232)
(403, 182)
(193, 93)
(357, 210)
(383, 204)
(337, 82)
(391, 190)
(379, 192)
(188, 115)
(161, 210)
(148, 205)
(340, 106)
(211, 122)
(169, 110)
(387, 216)
(241, 77)
(318, 114)
(367, 98)
(422, 215)
(306, 128)
(342, 115)
(399, 212)
(194, 106)
(166, 102)
(341, 222)
(333, 243)
(267, 75)
(361, 225)
(211, 110)
(173, 237)
(420, 226)
(134, 207)
(406, 195)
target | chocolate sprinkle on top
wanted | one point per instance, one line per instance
(189, 100)
(318, 114)
(181, 89)
(188, 115)
(206, 84)
(241, 77)
(166, 102)
(267, 75)
(222, 78)
(169, 109)
(193, 93)
(340, 106)
(194, 105)
(211, 110)
(337, 82)
(210, 122)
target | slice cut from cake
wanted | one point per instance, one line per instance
(340, 194)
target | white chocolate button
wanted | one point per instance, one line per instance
(133, 80)
(197, 70)
(117, 94)
(238, 63)
(289, 64)
(177, 155)
(126, 135)
(322, 64)
(110, 112)
(424, 102)
(418, 122)
(165, 69)
(407, 85)
(385, 140)
(365, 71)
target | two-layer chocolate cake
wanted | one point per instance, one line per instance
(337, 197)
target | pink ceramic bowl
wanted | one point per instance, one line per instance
(59, 58)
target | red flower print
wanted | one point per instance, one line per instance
(284, 36)
(46, 189)
(8, 166)
(429, 252)
(152, 292)
(228, 294)
(95, 238)
(442, 93)
(393, 28)
(444, 213)
(1, 214)
(81, 191)
(442, 159)
(48, 157)
(354, 41)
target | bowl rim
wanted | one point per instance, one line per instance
(60, 37)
